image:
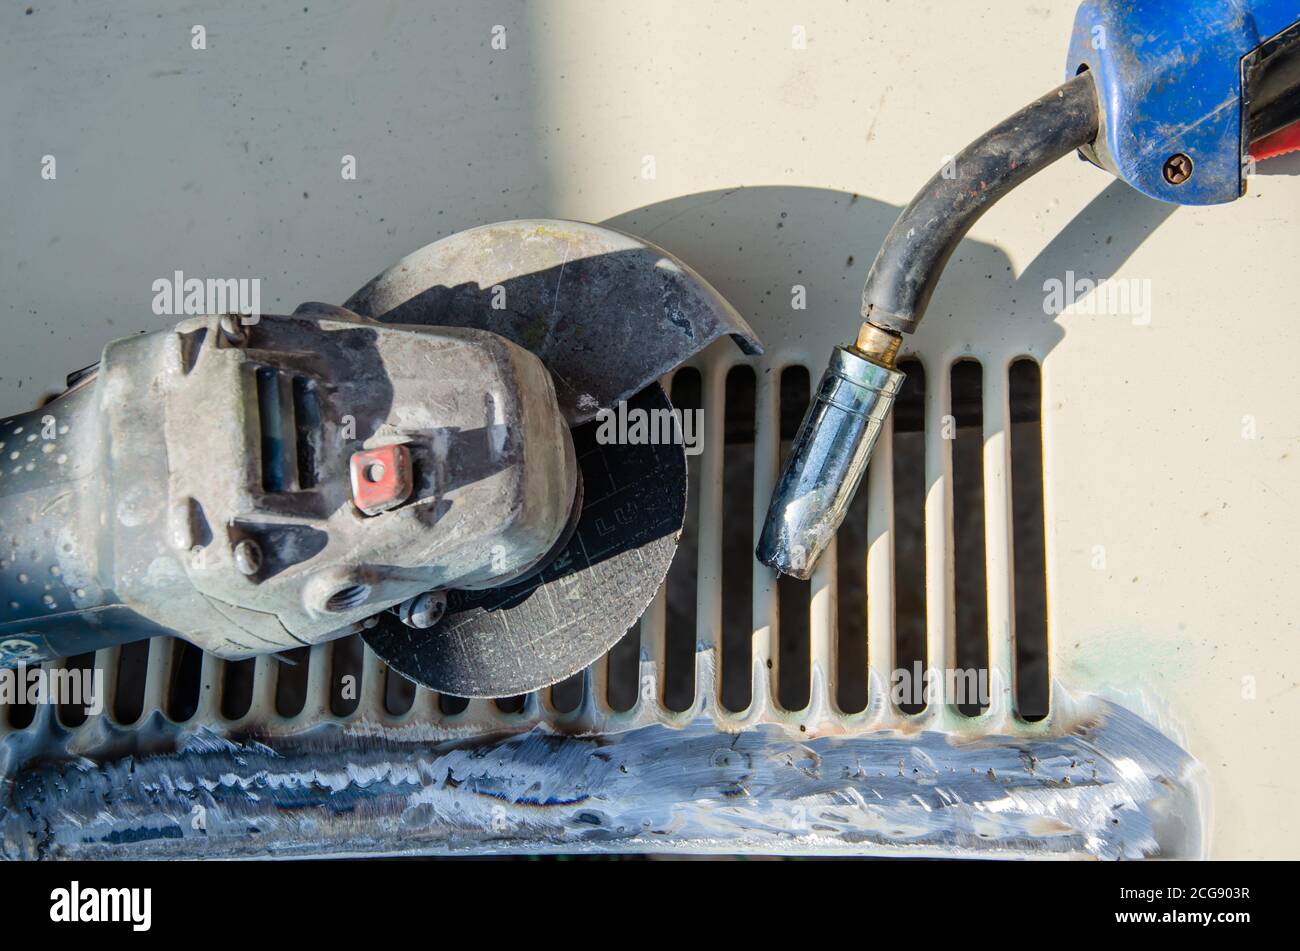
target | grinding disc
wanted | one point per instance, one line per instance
(608, 313)
(521, 637)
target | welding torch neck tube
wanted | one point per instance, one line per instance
(908, 266)
(828, 459)
(835, 440)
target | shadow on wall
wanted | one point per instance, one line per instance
(755, 245)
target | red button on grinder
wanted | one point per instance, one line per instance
(381, 478)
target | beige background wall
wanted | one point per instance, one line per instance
(773, 166)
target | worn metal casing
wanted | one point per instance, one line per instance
(188, 444)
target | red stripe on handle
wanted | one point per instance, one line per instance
(1286, 139)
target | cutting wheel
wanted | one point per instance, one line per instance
(521, 637)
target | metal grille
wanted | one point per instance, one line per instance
(194, 689)
(741, 714)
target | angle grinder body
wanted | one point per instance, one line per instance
(276, 486)
(422, 466)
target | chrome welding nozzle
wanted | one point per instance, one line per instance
(830, 453)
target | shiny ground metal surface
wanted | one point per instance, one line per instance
(827, 461)
(1106, 786)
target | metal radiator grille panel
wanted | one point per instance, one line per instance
(594, 713)
(545, 776)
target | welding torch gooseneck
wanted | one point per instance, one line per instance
(839, 431)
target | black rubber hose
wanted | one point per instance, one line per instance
(917, 248)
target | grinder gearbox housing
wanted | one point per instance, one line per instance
(205, 481)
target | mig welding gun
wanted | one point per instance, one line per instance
(1176, 99)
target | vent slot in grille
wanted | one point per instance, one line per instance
(346, 675)
(129, 688)
(737, 538)
(910, 491)
(793, 664)
(1032, 674)
(399, 693)
(186, 681)
(566, 696)
(291, 681)
(851, 695)
(964, 428)
(22, 715)
(452, 706)
(74, 714)
(678, 687)
(516, 704)
(624, 671)
(237, 688)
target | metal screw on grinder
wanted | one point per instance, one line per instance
(424, 610)
(1178, 168)
(248, 557)
(232, 329)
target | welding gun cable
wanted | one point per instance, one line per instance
(911, 260)
(848, 412)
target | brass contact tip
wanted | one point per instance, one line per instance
(877, 345)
